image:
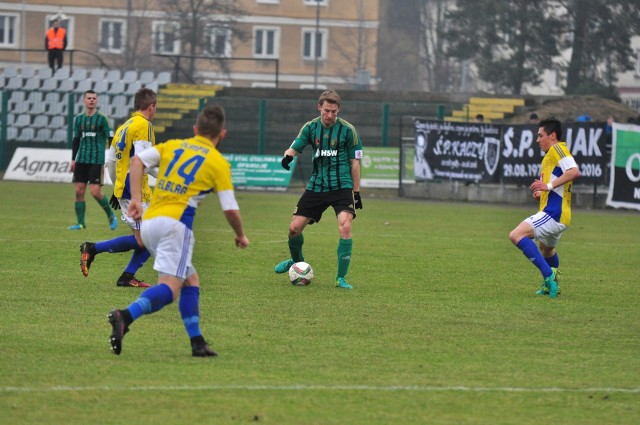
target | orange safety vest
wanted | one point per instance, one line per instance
(55, 40)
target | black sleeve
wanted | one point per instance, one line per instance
(76, 146)
(64, 46)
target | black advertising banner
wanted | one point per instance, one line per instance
(458, 151)
(624, 185)
(521, 156)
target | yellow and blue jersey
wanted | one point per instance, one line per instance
(136, 134)
(557, 203)
(189, 169)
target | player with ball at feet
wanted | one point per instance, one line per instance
(335, 181)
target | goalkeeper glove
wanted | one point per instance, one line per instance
(286, 161)
(358, 199)
(114, 202)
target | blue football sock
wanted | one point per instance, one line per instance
(139, 257)
(119, 244)
(151, 300)
(189, 309)
(553, 261)
(531, 251)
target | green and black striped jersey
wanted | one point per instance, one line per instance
(94, 134)
(333, 148)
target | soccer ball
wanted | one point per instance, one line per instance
(300, 274)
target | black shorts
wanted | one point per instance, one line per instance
(88, 173)
(313, 204)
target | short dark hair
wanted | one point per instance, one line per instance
(210, 121)
(90, 91)
(552, 125)
(144, 98)
(533, 116)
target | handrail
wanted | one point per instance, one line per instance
(71, 53)
(178, 70)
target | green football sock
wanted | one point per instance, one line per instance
(80, 210)
(104, 203)
(295, 247)
(344, 256)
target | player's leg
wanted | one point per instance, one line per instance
(140, 254)
(522, 237)
(157, 235)
(189, 307)
(80, 179)
(308, 211)
(343, 205)
(95, 185)
(80, 206)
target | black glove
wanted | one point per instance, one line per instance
(114, 202)
(286, 161)
(358, 199)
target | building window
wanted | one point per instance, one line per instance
(316, 2)
(112, 35)
(8, 30)
(312, 40)
(266, 42)
(166, 38)
(220, 42)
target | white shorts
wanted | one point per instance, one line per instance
(171, 243)
(546, 229)
(124, 206)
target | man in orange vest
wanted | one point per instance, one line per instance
(55, 41)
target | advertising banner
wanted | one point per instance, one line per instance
(521, 156)
(259, 172)
(53, 165)
(458, 151)
(380, 167)
(624, 184)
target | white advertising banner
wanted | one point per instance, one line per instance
(46, 165)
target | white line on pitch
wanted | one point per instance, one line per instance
(391, 388)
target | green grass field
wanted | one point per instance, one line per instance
(442, 326)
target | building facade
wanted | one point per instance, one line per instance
(244, 43)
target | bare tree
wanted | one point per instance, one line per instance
(197, 20)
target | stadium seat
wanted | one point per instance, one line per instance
(59, 135)
(44, 73)
(153, 86)
(43, 135)
(40, 121)
(67, 86)
(132, 88)
(117, 87)
(98, 74)
(163, 78)
(32, 83)
(146, 77)
(49, 84)
(14, 83)
(17, 96)
(113, 75)
(130, 77)
(79, 74)
(23, 120)
(12, 133)
(83, 86)
(101, 86)
(27, 71)
(9, 72)
(57, 121)
(27, 134)
(62, 73)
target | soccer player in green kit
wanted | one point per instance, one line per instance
(334, 182)
(91, 134)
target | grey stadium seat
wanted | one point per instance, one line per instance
(130, 77)
(146, 77)
(27, 134)
(163, 78)
(43, 135)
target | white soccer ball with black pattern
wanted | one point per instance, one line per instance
(300, 274)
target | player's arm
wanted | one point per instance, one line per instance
(231, 212)
(74, 151)
(136, 170)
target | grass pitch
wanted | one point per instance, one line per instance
(442, 325)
